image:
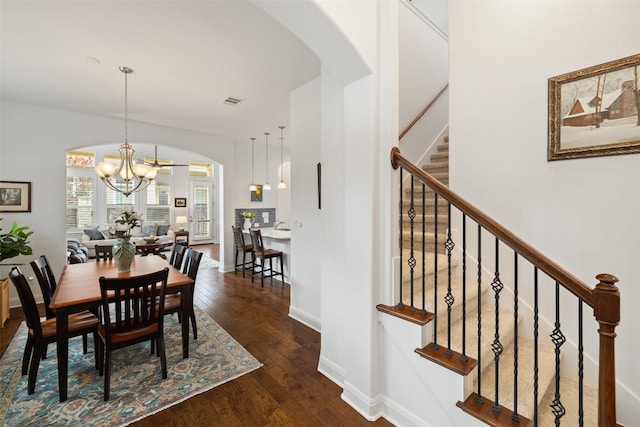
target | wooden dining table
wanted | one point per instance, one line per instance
(79, 289)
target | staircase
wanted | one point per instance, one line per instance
(436, 265)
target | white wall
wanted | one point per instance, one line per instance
(307, 234)
(582, 213)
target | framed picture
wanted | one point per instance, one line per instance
(256, 196)
(180, 202)
(15, 196)
(594, 111)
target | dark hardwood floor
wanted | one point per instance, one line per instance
(287, 391)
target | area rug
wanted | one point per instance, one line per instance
(137, 387)
(209, 263)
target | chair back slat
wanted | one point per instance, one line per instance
(192, 263)
(104, 252)
(238, 237)
(138, 301)
(29, 305)
(256, 239)
(47, 282)
(177, 255)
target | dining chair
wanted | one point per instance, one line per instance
(131, 316)
(104, 252)
(264, 254)
(242, 249)
(172, 303)
(177, 255)
(42, 333)
(47, 282)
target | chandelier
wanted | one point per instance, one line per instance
(129, 176)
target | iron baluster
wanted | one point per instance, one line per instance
(496, 346)
(463, 356)
(424, 232)
(412, 259)
(435, 272)
(479, 400)
(580, 368)
(535, 347)
(449, 299)
(558, 338)
(515, 416)
(400, 238)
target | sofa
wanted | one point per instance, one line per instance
(93, 236)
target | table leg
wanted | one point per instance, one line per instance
(186, 313)
(62, 327)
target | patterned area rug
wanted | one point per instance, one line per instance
(137, 387)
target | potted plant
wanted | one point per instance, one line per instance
(12, 244)
(15, 242)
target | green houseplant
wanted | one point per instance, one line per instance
(15, 242)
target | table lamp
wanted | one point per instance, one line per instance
(181, 220)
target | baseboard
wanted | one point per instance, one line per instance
(305, 318)
(330, 370)
(370, 408)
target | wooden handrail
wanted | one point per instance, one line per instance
(424, 110)
(553, 270)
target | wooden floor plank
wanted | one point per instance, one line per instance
(288, 390)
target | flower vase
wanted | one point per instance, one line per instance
(247, 223)
(123, 253)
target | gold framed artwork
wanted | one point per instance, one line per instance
(15, 196)
(595, 111)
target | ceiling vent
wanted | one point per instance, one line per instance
(232, 101)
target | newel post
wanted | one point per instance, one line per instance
(606, 309)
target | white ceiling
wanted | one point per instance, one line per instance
(187, 57)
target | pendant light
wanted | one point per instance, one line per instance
(281, 184)
(267, 186)
(127, 177)
(252, 187)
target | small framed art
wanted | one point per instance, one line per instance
(15, 196)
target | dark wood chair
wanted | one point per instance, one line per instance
(173, 302)
(104, 252)
(133, 312)
(177, 255)
(264, 254)
(48, 284)
(42, 333)
(242, 249)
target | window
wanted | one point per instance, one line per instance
(80, 189)
(79, 202)
(117, 201)
(200, 169)
(158, 207)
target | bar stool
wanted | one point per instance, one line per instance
(242, 247)
(264, 254)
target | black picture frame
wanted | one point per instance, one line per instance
(180, 202)
(15, 196)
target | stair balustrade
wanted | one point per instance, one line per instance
(429, 251)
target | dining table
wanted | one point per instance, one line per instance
(79, 289)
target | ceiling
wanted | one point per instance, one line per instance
(187, 57)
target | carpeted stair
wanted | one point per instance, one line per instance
(438, 265)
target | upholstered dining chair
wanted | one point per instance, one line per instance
(104, 252)
(264, 254)
(177, 255)
(42, 333)
(48, 284)
(172, 303)
(133, 312)
(242, 249)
